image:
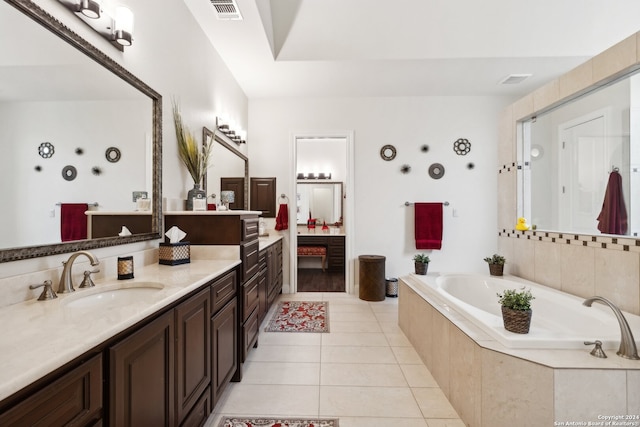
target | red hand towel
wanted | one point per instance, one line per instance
(73, 221)
(613, 217)
(428, 225)
(282, 219)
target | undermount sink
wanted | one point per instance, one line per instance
(113, 296)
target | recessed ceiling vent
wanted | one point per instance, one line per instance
(513, 79)
(227, 10)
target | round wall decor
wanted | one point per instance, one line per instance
(112, 154)
(46, 150)
(436, 171)
(405, 169)
(388, 152)
(69, 173)
(462, 146)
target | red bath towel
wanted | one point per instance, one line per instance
(428, 225)
(613, 217)
(73, 221)
(282, 219)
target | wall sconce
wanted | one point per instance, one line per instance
(311, 175)
(117, 29)
(230, 133)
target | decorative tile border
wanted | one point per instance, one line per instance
(601, 242)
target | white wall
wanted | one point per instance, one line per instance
(383, 225)
(173, 56)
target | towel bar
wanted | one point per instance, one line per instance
(410, 203)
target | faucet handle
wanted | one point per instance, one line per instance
(47, 292)
(597, 350)
(87, 282)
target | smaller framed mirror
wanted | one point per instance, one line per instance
(320, 200)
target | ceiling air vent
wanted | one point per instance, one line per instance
(513, 79)
(226, 10)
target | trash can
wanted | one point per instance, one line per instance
(372, 278)
(392, 287)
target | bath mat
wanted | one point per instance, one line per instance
(277, 422)
(300, 316)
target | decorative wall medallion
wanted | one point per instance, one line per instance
(46, 150)
(96, 170)
(470, 166)
(388, 152)
(112, 154)
(436, 171)
(38, 168)
(79, 151)
(405, 169)
(424, 148)
(462, 147)
(69, 173)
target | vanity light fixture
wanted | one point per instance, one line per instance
(233, 135)
(116, 27)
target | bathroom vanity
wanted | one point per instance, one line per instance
(109, 224)
(334, 244)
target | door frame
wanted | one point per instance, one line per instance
(348, 205)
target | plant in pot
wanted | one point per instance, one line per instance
(516, 310)
(496, 264)
(194, 158)
(421, 263)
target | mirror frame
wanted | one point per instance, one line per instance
(37, 14)
(223, 140)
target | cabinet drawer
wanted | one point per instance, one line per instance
(249, 254)
(250, 296)
(200, 412)
(222, 290)
(250, 229)
(75, 398)
(249, 334)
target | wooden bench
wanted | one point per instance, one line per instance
(313, 251)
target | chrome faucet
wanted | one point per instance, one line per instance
(627, 348)
(66, 282)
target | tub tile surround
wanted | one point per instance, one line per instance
(491, 385)
(582, 265)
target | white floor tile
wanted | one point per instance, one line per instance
(433, 403)
(407, 355)
(362, 374)
(271, 399)
(339, 326)
(285, 353)
(290, 338)
(281, 373)
(357, 354)
(418, 376)
(397, 340)
(363, 339)
(382, 422)
(350, 316)
(385, 402)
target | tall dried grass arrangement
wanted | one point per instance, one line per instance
(195, 159)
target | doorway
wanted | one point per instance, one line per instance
(321, 182)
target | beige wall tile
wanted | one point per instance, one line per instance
(546, 95)
(506, 138)
(576, 80)
(521, 262)
(523, 108)
(548, 264)
(600, 392)
(465, 377)
(507, 209)
(513, 392)
(439, 365)
(617, 274)
(578, 270)
(615, 59)
(633, 392)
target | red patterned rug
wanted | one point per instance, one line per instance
(277, 422)
(300, 316)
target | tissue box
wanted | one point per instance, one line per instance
(174, 253)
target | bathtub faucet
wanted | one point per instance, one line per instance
(627, 348)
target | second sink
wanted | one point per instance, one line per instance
(113, 296)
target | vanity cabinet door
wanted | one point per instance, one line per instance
(142, 376)
(73, 399)
(249, 254)
(224, 348)
(193, 351)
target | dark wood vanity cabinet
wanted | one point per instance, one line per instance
(274, 272)
(335, 248)
(73, 399)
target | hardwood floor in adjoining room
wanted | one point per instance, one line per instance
(316, 280)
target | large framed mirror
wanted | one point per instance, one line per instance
(581, 162)
(228, 170)
(319, 200)
(60, 93)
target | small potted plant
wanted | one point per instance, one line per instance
(516, 310)
(421, 263)
(496, 264)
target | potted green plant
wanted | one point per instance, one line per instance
(421, 263)
(195, 159)
(516, 310)
(496, 264)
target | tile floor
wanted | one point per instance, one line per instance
(364, 372)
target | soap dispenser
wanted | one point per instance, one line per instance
(261, 227)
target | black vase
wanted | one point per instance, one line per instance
(195, 193)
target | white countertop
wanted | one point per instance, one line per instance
(40, 336)
(230, 212)
(113, 213)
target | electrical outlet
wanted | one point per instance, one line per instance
(139, 195)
